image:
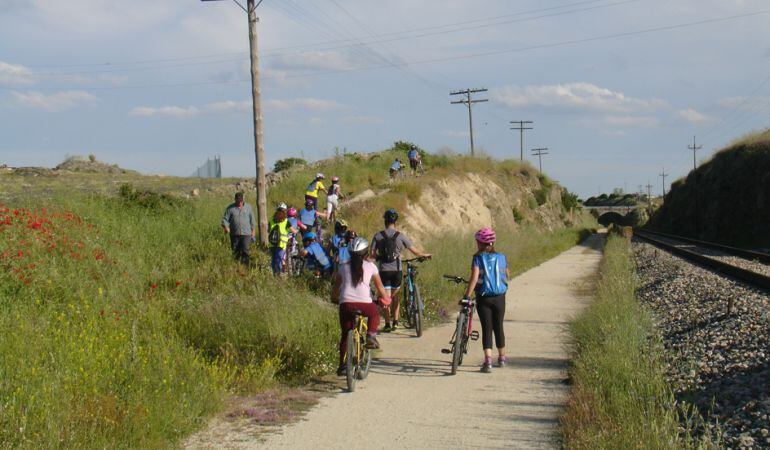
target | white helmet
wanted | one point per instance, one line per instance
(359, 245)
(319, 175)
(282, 206)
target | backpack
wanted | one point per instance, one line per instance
(493, 266)
(387, 248)
(274, 237)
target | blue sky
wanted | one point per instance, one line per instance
(616, 88)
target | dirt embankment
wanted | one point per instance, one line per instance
(469, 202)
(726, 199)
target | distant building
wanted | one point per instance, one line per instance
(211, 169)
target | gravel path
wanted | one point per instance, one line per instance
(717, 362)
(411, 401)
(754, 266)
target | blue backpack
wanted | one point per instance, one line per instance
(492, 281)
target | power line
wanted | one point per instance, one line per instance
(540, 152)
(466, 56)
(663, 175)
(469, 101)
(694, 149)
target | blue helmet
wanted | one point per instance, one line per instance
(309, 235)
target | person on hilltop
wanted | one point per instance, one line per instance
(308, 218)
(238, 221)
(414, 158)
(386, 248)
(332, 199)
(489, 279)
(395, 168)
(316, 258)
(311, 192)
(352, 290)
(278, 238)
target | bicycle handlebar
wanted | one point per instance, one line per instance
(417, 259)
(456, 279)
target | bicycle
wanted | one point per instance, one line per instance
(463, 330)
(414, 309)
(294, 264)
(358, 358)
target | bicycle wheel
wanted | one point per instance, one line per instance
(351, 360)
(407, 306)
(418, 311)
(366, 361)
(457, 348)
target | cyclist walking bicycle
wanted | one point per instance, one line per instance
(386, 248)
(415, 161)
(278, 238)
(333, 198)
(352, 289)
(489, 280)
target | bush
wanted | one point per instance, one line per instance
(569, 200)
(288, 163)
(517, 216)
(541, 196)
(147, 199)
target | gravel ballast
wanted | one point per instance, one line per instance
(717, 361)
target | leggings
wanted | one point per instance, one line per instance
(491, 314)
(347, 321)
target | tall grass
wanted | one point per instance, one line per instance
(124, 326)
(619, 397)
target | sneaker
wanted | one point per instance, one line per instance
(487, 366)
(395, 326)
(387, 328)
(501, 361)
(371, 342)
(342, 370)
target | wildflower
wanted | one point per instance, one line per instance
(154, 285)
(178, 283)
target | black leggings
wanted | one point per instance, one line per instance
(491, 314)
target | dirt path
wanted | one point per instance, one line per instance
(410, 400)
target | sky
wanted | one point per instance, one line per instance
(616, 88)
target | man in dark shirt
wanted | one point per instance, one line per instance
(238, 221)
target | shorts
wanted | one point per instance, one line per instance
(413, 164)
(391, 279)
(332, 204)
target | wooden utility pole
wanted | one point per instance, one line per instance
(468, 101)
(694, 149)
(649, 198)
(256, 98)
(521, 129)
(540, 152)
(663, 175)
(259, 152)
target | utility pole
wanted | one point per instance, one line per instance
(256, 99)
(540, 152)
(649, 198)
(468, 101)
(694, 149)
(521, 129)
(663, 175)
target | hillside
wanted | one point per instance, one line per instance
(125, 312)
(726, 199)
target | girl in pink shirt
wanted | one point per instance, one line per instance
(351, 287)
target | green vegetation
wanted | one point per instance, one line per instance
(126, 323)
(619, 398)
(726, 199)
(288, 163)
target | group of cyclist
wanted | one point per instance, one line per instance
(354, 264)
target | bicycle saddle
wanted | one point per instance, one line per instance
(358, 312)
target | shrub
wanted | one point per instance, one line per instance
(569, 200)
(288, 163)
(541, 196)
(147, 199)
(517, 216)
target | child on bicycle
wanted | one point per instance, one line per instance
(316, 259)
(489, 278)
(352, 288)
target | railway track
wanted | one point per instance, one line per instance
(745, 265)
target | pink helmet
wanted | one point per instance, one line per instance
(485, 236)
(292, 212)
(335, 179)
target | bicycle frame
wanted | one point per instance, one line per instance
(361, 328)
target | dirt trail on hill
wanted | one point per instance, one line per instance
(411, 401)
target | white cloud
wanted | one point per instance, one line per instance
(362, 120)
(632, 121)
(581, 96)
(14, 74)
(308, 104)
(230, 106)
(59, 101)
(694, 117)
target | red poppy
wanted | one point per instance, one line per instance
(154, 286)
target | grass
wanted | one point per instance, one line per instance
(126, 323)
(619, 398)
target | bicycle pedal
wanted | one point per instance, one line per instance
(475, 335)
(446, 351)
